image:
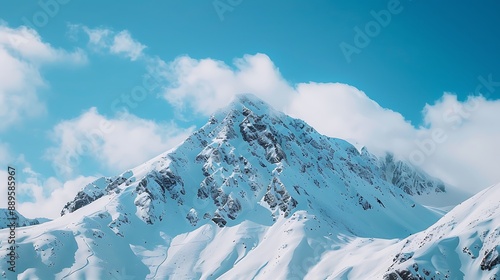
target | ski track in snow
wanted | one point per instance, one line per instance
(87, 262)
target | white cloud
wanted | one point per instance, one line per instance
(469, 151)
(124, 44)
(206, 85)
(38, 197)
(456, 145)
(98, 38)
(23, 53)
(117, 143)
(25, 44)
(343, 111)
(5, 155)
(46, 198)
(106, 40)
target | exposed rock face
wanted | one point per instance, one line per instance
(408, 178)
(87, 195)
(278, 196)
(399, 275)
(94, 191)
(248, 153)
(491, 258)
(254, 130)
(192, 217)
(154, 190)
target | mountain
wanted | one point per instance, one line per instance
(463, 244)
(249, 158)
(424, 188)
(408, 178)
(20, 220)
(254, 193)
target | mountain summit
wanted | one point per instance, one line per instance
(252, 159)
(254, 193)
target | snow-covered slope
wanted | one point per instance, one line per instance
(20, 220)
(252, 194)
(464, 244)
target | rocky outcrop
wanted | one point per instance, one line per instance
(254, 130)
(491, 258)
(408, 178)
(87, 195)
(278, 196)
(95, 190)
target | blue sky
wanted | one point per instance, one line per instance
(410, 59)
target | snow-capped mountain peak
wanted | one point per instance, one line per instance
(253, 193)
(250, 156)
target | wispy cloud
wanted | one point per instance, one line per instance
(124, 44)
(108, 41)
